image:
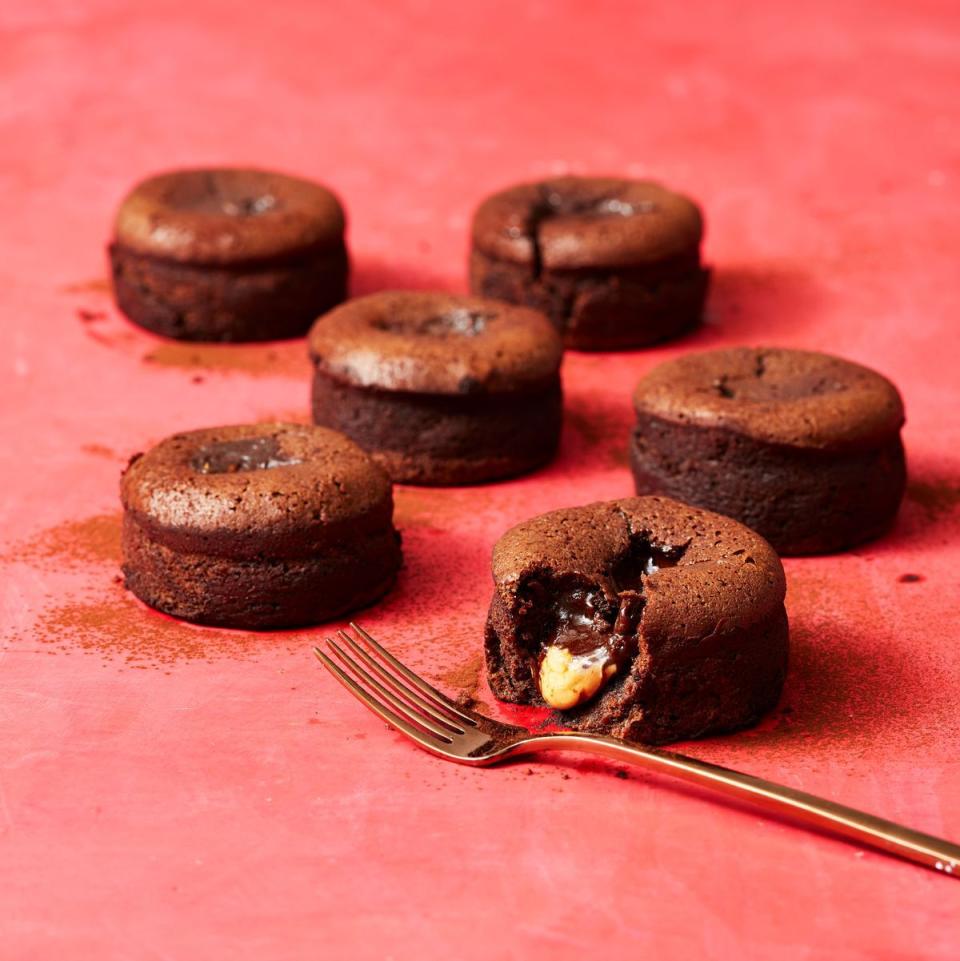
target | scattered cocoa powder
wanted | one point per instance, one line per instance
(466, 676)
(113, 624)
(110, 330)
(297, 416)
(937, 498)
(119, 628)
(101, 450)
(279, 359)
(465, 679)
(862, 689)
(98, 285)
(92, 540)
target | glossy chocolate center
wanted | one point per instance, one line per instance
(588, 637)
(235, 456)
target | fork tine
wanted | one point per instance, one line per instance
(399, 707)
(440, 700)
(398, 687)
(381, 710)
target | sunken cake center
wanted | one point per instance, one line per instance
(234, 456)
(590, 637)
(458, 322)
(572, 204)
(557, 203)
(216, 195)
(760, 385)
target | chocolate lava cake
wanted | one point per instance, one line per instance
(641, 618)
(228, 254)
(614, 263)
(801, 446)
(258, 526)
(440, 389)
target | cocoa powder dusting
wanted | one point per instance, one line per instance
(280, 359)
(465, 680)
(91, 540)
(101, 450)
(119, 628)
(862, 689)
(113, 624)
(109, 330)
(937, 498)
(297, 416)
(97, 285)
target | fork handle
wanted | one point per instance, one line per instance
(913, 845)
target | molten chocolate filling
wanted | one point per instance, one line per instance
(587, 638)
(234, 456)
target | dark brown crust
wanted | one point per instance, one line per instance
(803, 501)
(442, 440)
(436, 343)
(253, 302)
(802, 447)
(713, 637)
(576, 223)
(800, 398)
(602, 309)
(303, 540)
(228, 216)
(259, 594)
(440, 389)
(615, 264)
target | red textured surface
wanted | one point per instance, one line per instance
(171, 792)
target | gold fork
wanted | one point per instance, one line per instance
(444, 728)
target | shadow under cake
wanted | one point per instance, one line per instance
(228, 254)
(440, 389)
(803, 447)
(615, 264)
(642, 618)
(258, 526)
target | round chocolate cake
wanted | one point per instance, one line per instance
(642, 618)
(801, 446)
(228, 254)
(258, 526)
(440, 389)
(615, 264)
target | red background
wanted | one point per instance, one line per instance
(173, 792)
